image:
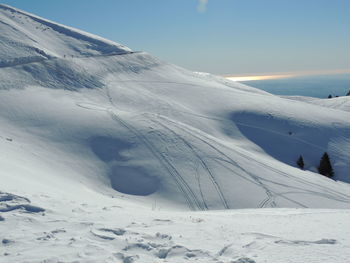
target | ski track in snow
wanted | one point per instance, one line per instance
(201, 160)
(340, 197)
(270, 195)
(233, 163)
(190, 196)
(183, 186)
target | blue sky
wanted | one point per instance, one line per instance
(228, 37)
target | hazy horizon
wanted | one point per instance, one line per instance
(284, 75)
(318, 86)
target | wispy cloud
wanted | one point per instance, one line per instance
(202, 6)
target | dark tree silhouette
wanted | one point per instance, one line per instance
(330, 96)
(325, 167)
(348, 94)
(300, 162)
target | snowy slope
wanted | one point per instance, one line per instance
(27, 38)
(104, 150)
(339, 103)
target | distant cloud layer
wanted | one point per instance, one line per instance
(202, 6)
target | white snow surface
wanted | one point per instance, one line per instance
(104, 151)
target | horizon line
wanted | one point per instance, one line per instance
(280, 75)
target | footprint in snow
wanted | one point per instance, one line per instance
(162, 221)
(305, 243)
(115, 231)
(243, 260)
(126, 259)
(108, 233)
(181, 251)
(10, 202)
(7, 242)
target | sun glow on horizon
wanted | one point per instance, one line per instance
(257, 77)
(287, 75)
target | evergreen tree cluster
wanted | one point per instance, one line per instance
(300, 162)
(325, 167)
(331, 96)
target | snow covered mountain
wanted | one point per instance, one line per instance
(89, 126)
(88, 111)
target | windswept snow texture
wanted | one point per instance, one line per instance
(81, 232)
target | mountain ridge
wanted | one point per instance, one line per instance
(40, 44)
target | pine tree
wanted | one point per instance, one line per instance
(330, 96)
(325, 167)
(300, 162)
(348, 94)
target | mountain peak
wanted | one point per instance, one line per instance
(27, 37)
